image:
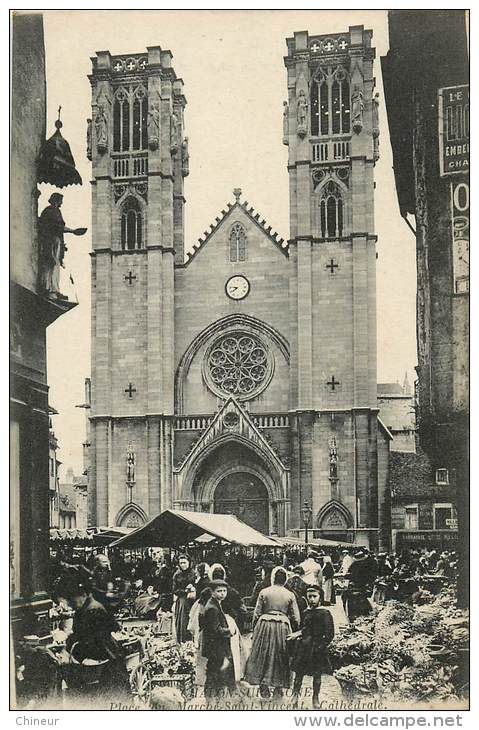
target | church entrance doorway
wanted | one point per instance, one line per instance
(244, 495)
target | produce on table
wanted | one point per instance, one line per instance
(404, 652)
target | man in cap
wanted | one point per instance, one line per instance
(51, 228)
(216, 645)
(313, 572)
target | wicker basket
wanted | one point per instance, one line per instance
(164, 626)
(183, 682)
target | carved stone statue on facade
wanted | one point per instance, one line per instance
(174, 133)
(154, 127)
(130, 466)
(375, 115)
(302, 114)
(185, 158)
(101, 130)
(88, 138)
(51, 229)
(357, 109)
(333, 461)
(285, 123)
(274, 518)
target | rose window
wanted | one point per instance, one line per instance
(238, 364)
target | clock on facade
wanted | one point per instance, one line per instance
(461, 265)
(237, 287)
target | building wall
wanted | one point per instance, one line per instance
(29, 477)
(28, 133)
(429, 52)
(200, 300)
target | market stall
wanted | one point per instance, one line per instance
(164, 662)
(175, 528)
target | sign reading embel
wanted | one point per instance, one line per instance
(454, 130)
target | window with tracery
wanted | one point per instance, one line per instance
(131, 225)
(238, 364)
(130, 119)
(330, 103)
(331, 211)
(237, 243)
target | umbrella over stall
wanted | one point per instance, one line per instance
(173, 528)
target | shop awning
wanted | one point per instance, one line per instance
(173, 528)
(315, 542)
(94, 535)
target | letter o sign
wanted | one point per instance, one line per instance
(461, 197)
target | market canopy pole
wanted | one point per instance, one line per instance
(173, 528)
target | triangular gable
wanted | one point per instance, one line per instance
(274, 237)
(232, 418)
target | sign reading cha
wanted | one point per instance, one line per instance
(454, 130)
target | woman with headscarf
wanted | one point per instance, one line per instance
(276, 616)
(328, 582)
(183, 590)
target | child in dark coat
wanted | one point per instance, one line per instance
(311, 655)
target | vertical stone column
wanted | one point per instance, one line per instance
(361, 429)
(178, 185)
(92, 479)
(153, 456)
(361, 343)
(305, 353)
(102, 452)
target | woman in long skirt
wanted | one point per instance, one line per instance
(183, 590)
(276, 616)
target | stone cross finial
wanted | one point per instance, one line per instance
(237, 193)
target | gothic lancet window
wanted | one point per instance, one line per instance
(140, 120)
(131, 225)
(121, 121)
(330, 103)
(237, 243)
(130, 117)
(331, 211)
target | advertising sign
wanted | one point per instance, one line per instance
(454, 130)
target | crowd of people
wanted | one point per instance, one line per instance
(283, 625)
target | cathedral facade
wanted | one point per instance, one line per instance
(238, 375)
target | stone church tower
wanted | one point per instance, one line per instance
(241, 377)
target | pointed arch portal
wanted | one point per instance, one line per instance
(243, 493)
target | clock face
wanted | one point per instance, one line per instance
(237, 287)
(462, 248)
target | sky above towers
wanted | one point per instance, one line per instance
(235, 83)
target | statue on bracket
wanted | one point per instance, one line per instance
(285, 123)
(302, 114)
(88, 138)
(185, 158)
(154, 127)
(174, 133)
(333, 460)
(375, 114)
(101, 130)
(51, 229)
(357, 106)
(274, 518)
(130, 466)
